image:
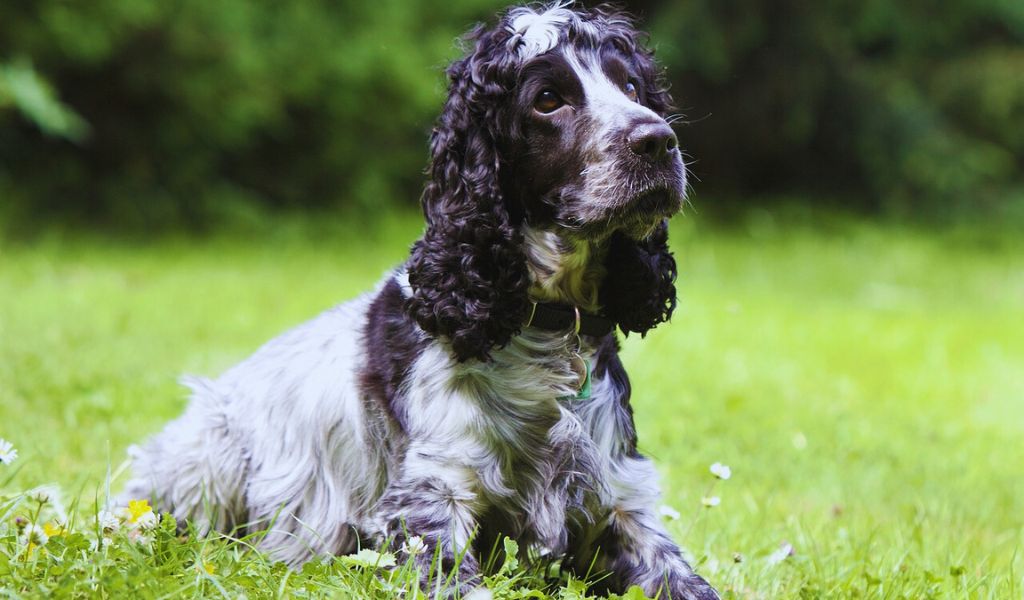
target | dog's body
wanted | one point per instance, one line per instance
(433, 407)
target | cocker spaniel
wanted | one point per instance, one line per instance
(477, 392)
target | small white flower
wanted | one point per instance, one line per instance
(668, 512)
(414, 545)
(45, 494)
(109, 522)
(147, 521)
(710, 501)
(785, 551)
(721, 471)
(34, 535)
(799, 440)
(8, 453)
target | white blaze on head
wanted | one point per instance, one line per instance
(606, 102)
(538, 32)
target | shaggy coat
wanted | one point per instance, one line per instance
(433, 407)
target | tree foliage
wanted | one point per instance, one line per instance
(151, 113)
(911, 105)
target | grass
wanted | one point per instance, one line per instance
(865, 383)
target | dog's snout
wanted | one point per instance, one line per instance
(653, 141)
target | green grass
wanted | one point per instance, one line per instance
(865, 383)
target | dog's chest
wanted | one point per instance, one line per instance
(544, 429)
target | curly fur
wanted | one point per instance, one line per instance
(639, 289)
(428, 408)
(468, 272)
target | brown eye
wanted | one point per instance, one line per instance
(547, 102)
(630, 90)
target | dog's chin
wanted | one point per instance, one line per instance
(638, 216)
(643, 213)
(634, 216)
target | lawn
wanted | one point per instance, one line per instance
(864, 382)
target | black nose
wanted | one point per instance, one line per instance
(652, 141)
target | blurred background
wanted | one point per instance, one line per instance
(150, 115)
(181, 180)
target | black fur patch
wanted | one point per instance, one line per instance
(639, 289)
(393, 343)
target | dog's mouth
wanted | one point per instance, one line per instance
(642, 213)
(636, 217)
(656, 203)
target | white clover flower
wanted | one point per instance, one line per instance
(8, 453)
(413, 546)
(784, 551)
(668, 512)
(108, 521)
(370, 558)
(710, 501)
(34, 536)
(147, 521)
(721, 471)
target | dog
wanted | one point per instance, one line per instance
(478, 391)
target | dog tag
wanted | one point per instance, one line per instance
(582, 369)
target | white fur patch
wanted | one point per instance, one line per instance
(538, 32)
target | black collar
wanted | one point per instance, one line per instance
(562, 317)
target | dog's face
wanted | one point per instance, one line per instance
(555, 118)
(590, 155)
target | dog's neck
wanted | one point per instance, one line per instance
(562, 269)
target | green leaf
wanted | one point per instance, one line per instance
(511, 555)
(634, 593)
(35, 98)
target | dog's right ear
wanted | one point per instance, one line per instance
(468, 273)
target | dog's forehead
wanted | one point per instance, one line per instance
(534, 33)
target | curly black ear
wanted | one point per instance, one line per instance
(468, 273)
(639, 289)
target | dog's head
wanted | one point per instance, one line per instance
(555, 120)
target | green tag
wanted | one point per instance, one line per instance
(584, 393)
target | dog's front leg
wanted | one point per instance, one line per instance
(434, 501)
(636, 546)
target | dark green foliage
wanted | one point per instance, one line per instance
(155, 113)
(192, 105)
(908, 106)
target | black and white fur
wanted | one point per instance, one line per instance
(426, 408)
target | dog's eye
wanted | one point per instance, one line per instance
(630, 90)
(547, 102)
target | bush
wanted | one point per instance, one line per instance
(159, 113)
(193, 104)
(898, 106)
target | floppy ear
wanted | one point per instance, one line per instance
(468, 274)
(639, 290)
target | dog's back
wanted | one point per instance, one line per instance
(251, 449)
